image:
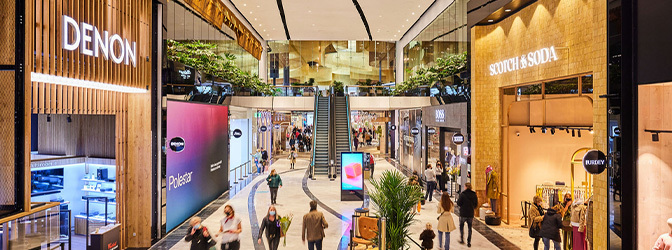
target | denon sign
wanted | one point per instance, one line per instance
(88, 39)
(534, 58)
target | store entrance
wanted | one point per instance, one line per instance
(442, 150)
(73, 162)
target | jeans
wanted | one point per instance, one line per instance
(447, 241)
(312, 245)
(258, 167)
(547, 246)
(431, 185)
(234, 245)
(274, 194)
(469, 222)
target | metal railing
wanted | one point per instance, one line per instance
(240, 172)
(297, 90)
(312, 158)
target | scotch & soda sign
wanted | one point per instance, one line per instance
(532, 59)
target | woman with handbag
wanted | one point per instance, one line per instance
(198, 235)
(567, 229)
(292, 157)
(271, 224)
(446, 222)
(534, 220)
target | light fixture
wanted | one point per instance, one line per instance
(543, 130)
(48, 118)
(490, 20)
(507, 10)
(412, 13)
(567, 130)
(532, 130)
(69, 119)
(39, 77)
(591, 131)
(552, 131)
(655, 137)
(573, 134)
(578, 133)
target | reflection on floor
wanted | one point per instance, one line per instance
(252, 202)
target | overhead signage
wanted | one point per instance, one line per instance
(90, 42)
(393, 127)
(594, 161)
(415, 131)
(440, 115)
(535, 58)
(237, 133)
(458, 139)
(431, 130)
(263, 128)
(176, 144)
(216, 13)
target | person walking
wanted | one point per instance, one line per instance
(198, 235)
(292, 157)
(270, 224)
(274, 182)
(356, 141)
(372, 163)
(438, 171)
(535, 219)
(413, 181)
(566, 213)
(257, 159)
(430, 178)
(360, 137)
(446, 223)
(292, 142)
(264, 160)
(550, 229)
(427, 237)
(230, 228)
(313, 227)
(467, 202)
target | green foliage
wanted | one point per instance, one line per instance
(395, 200)
(203, 58)
(442, 73)
(338, 87)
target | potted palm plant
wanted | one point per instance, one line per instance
(394, 199)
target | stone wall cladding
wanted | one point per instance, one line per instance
(577, 29)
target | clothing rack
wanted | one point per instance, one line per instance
(551, 194)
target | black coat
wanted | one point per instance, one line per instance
(198, 241)
(272, 228)
(467, 202)
(550, 226)
(427, 238)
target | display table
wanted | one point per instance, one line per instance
(94, 222)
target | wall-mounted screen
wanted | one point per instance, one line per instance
(43, 181)
(196, 158)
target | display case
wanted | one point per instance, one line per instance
(99, 197)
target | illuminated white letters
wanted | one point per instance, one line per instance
(534, 58)
(88, 39)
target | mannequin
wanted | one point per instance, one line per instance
(492, 187)
(664, 242)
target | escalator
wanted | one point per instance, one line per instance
(341, 129)
(320, 162)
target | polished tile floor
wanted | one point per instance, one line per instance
(251, 204)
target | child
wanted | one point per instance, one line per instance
(427, 237)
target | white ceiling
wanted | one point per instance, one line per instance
(332, 19)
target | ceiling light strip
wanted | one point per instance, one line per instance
(39, 77)
(281, 10)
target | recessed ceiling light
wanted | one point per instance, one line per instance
(244, 4)
(418, 6)
(259, 25)
(507, 10)
(255, 19)
(257, 6)
(490, 20)
(313, 24)
(310, 11)
(264, 30)
(398, 30)
(406, 20)
(250, 12)
(380, 16)
(412, 13)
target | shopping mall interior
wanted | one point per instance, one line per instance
(230, 124)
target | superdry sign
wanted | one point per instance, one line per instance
(595, 162)
(458, 139)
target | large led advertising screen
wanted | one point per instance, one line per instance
(196, 158)
(352, 176)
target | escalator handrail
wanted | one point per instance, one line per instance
(312, 163)
(329, 135)
(347, 106)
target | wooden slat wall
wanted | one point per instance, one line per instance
(86, 135)
(131, 19)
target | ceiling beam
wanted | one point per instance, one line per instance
(361, 14)
(281, 9)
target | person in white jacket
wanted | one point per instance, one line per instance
(446, 223)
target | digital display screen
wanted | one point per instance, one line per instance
(352, 171)
(196, 158)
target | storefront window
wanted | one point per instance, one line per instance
(562, 87)
(529, 92)
(587, 84)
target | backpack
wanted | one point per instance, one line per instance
(264, 155)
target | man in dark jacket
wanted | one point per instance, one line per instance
(550, 229)
(467, 202)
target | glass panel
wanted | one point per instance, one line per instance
(562, 87)
(587, 84)
(529, 92)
